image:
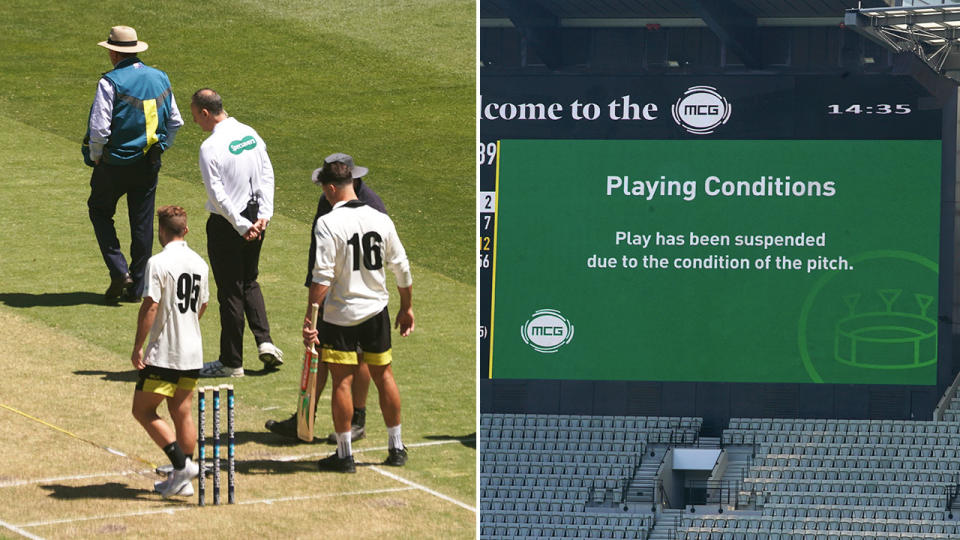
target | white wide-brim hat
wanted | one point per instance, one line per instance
(124, 39)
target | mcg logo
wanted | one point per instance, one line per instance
(546, 331)
(700, 110)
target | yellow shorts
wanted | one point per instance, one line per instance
(339, 344)
(332, 356)
(166, 381)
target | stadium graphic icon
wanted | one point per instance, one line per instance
(886, 339)
(881, 320)
(700, 110)
(546, 331)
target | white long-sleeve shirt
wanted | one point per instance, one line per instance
(235, 167)
(354, 245)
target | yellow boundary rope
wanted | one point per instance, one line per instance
(75, 436)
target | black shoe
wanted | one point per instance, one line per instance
(128, 295)
(356, 433)
(337, 464)
(284, 428)
(397, 457)
(117, 287)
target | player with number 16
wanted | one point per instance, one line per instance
(354, 245)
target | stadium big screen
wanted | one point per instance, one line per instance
(726, 229)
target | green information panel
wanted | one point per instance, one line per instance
(721, 261)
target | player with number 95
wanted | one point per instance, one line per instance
(174, 298)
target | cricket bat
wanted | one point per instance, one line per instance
(308, 386)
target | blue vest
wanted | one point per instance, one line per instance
(142, 104)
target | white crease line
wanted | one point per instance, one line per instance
(16, 483)
(108, 516)
(19, 531)
(192, 507)
(423, 488)
(260, 501)
(371, 449)
(307, 497)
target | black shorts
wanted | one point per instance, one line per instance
(339, 344)
(166, 381)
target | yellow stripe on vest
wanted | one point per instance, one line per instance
(150, 115)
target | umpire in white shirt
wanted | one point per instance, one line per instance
(238, 177)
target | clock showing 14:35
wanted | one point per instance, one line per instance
(879, 108)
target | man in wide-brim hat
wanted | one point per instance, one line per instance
(123, 39)
(133, 119)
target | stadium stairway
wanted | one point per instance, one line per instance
(835, 478)
(666, 525)
(952, 414)
(645, 480)
(708, 442)
(739, 461)
(563, 475)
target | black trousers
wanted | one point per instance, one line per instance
(139, 183)
(235, 264)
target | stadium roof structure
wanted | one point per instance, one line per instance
(929, 29)
(735, 22)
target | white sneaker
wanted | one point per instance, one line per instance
(217, 369)
(270, 355)
(161, 485)
(186, 490)
(178, 483)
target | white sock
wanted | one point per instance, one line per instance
(344, 448)
(393, 437)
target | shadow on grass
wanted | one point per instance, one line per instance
(110, 490)
(268, 438)
(470, 441)
(253, 466)
(132, 374)
(260, 372)
(266, 466)
(66, 299)
(112, 376)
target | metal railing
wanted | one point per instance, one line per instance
(664, 498)
(952, 495)
(635, 462)
(944, 404)
(720, 492)
(622, 487)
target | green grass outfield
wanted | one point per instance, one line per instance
(391, 83)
